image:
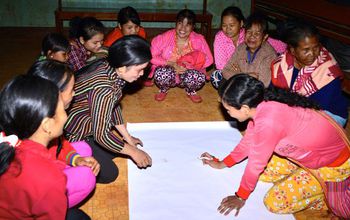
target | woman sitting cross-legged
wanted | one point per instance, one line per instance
(81, 168)
(179, 58)
(315, 167)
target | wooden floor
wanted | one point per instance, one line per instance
(21, 46)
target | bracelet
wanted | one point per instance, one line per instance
(239, 198)
(74, 159)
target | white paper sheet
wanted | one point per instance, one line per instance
(178, 186)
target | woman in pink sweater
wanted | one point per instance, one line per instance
(288, 125)
(179, 58)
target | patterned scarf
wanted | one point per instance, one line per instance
(311, 78)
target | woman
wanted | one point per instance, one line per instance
(32, 183)
(255, 55)
(55, 47)
(310, 70)
(81, 175)
(279, 124)
(129, 23)
(95, 113)
(179, 58)
(229, 37)
(86, 39)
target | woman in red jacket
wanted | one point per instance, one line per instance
(32, 183)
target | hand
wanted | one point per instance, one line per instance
(212, 161)
(178, 69)
(236, 68)
(230, 203)
(89, 162)
(253, 74)
(141, 158)
(133, 141)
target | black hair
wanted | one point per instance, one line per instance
(234, 12)
(128, 14)
(129, 50)
(296, 31)
(257, 19)
(54, 42)
(52, 70)
(56, 72)
(242, 89)
(24, 102)
(186, 13)
(85, 27)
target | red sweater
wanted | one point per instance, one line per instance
(116, 34)
(34, 186)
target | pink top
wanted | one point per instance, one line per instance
(163, 45)
(224, 47)
(301, 134)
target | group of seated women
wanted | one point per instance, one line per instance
(62, 120)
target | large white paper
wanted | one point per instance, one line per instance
(178, 186)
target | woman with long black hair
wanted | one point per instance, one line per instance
(32, 182)
(290, 126)
(95, 114)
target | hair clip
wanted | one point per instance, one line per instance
(12, 139)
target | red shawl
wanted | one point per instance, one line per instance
(311, 78)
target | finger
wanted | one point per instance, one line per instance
(140, 142)
(237, 212)
(149, 160)
(84, 163)
(222, 209)
(228, 211)
(97, 169)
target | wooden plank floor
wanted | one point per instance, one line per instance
(21, 46)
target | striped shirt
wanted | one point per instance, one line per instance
(95, 108)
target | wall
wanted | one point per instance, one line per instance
(40, 13)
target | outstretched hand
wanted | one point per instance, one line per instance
(212, 161)
(230, 203)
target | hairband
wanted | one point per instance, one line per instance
(12, 139)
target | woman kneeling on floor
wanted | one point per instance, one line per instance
(315, 169)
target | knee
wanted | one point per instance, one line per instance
(277, 202)
(194, 76)
(82, 148)
(108, 175)
(87, 178)
(163, 72)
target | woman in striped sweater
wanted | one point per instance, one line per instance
(95, 113)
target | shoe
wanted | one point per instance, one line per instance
(195, 98)
(160, 96)
(148, 83)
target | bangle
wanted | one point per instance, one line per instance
(238, 197)
(74, 159)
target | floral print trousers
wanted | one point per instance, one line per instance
(296, 189)
(165, 78)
